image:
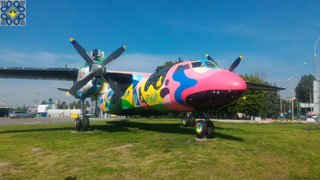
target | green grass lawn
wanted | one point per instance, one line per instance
(159, 149)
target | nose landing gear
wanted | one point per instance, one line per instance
(204, 127)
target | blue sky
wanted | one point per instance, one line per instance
(274, 38)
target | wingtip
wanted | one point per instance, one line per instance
(71, 39)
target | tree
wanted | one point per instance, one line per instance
(253, 102)
(168, 64)
(63, 105)
(305, 88)
(272, 104)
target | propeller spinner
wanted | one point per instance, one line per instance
(96, 70)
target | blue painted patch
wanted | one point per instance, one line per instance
(136, 78)
(185, 83)
(135, 97)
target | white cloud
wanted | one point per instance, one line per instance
(37, 59)
(140, 62)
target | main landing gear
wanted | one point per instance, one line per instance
(82, 123)
(204, 127)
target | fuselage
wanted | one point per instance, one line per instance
(187, 86)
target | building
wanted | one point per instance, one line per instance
(4, 109)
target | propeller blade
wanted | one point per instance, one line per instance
(235, 64)
(79, 84)
(82, 51)
(210, 59)
(114, 55)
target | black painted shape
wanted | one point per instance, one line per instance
(164, 92)
(207, 100)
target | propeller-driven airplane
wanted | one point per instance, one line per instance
(189, 86)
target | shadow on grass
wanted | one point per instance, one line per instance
(130, 126)
(125, 125)
(36, 130)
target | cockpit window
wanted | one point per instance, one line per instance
(187, 66)
(210, 64)
(178, 69)
(197, 64)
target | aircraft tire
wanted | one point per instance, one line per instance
(85, 124)
(210, 128)
(191, 121)
(201, 129)
(77, 124)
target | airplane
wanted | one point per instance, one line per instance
(189, 86)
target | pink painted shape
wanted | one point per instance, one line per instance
(214, 80)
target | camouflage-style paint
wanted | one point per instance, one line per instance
(168, 89)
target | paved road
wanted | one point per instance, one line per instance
(37, 120)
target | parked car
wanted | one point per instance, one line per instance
(22, 114)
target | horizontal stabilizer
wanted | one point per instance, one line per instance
(256, 86)
(63, 89)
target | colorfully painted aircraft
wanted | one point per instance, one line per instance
(189, 86)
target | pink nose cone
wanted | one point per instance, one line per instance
(216, 90)
(225, 80)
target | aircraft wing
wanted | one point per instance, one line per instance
(118, 81)
(256, 86)
(68, 74)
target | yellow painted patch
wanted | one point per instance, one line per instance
(151, 96)
(74, 115)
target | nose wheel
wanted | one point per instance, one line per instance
(204, 129)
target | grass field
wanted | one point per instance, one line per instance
(159, 149)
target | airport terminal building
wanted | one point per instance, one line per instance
(4, 109)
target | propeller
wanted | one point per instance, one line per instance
(235, 63)
(82, 51)
(210, 59)
(96, 69)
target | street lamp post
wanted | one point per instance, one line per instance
(316, 73)
(292, 107)
(315, 56)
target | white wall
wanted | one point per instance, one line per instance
(63, 112)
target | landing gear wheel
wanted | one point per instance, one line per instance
(184, 122)
(85, 124)
(201, 129)
(191, 121)
(77, 124)
(210, 128)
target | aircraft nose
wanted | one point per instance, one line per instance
(217, 90)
